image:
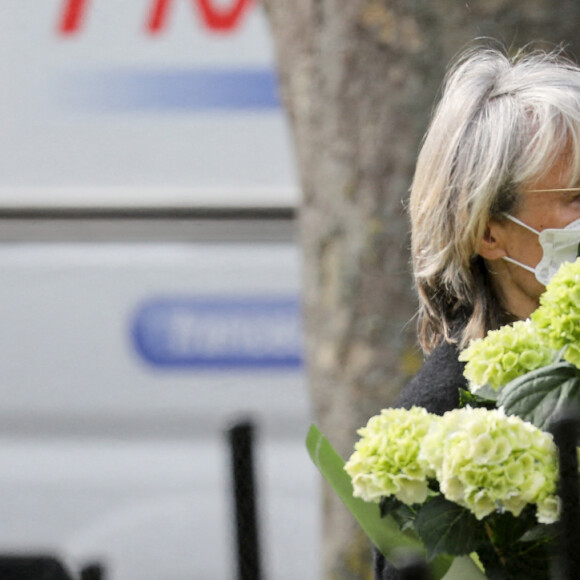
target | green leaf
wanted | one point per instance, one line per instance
(486, 393)
(540, 533)
(524, 551)
(448, 528)
(388, 505)
(466, 568)
(529, 560)
(478, 399)
(542, 394)
(505, 529)
(403, 514)
(383, 532)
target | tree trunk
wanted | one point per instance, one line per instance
(358, 80)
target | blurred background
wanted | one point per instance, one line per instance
(150, 290)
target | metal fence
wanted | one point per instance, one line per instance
(240, 439)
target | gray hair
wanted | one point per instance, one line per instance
(501, 123)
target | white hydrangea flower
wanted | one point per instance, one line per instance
(487, 461)
(505, 354)
(386, 458)
(558, 317)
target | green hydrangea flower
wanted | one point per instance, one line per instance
(558, 316)
(386, 458)
(487, 461)
(505, 354)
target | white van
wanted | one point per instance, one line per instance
(142, 309)
(123, 365)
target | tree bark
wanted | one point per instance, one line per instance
(358, 80)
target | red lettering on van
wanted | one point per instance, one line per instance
(72, 14)
(214, 18)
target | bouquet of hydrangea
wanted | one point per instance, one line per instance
(472, 481)
(480, 481)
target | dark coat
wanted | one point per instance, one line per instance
(435, 387)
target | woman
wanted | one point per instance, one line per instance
(499, 165)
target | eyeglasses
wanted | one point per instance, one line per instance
(554, 189)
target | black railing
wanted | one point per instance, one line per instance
(43, 567)
(93, 572)
(241, 440)
(567, 560)
(245, 515)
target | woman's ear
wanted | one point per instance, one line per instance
(491, 246)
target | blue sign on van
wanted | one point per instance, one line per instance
(196, 91)
(219, 332)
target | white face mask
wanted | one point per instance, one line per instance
(558, 246)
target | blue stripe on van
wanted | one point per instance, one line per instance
(219, 333)
(195, 90)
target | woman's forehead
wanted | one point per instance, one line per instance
(559, 176)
